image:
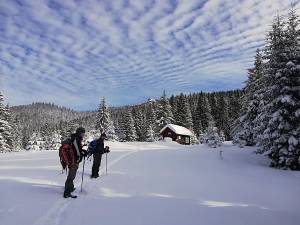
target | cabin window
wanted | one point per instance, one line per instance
(179, 137)
(187, 140)
(169, 133)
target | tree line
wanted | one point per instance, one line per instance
(45, 125)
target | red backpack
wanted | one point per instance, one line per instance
(66, 154)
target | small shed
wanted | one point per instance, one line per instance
(179, 134)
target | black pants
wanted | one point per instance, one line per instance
(96, 164)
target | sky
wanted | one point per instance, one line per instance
(73, 52)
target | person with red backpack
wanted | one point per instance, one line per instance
(97, 149)
(71, 154)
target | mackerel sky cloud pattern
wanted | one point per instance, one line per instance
(73, 52)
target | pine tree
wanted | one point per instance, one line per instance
(173, 104)
(205, 110)
(244, 131)
(151, 116)
(150, 135)
(184, 113)
(164, 112)
(3, 145)
(275, 54)
(5, 129)
(103, 117)
(139, 124)
(201, 137)
(198, 127)
(10, 135)
(277, 123)
(35, 143)
(46, 133)
(17, 135)
(222, 136)
(128, 126)
(222, 112)
(212, 138)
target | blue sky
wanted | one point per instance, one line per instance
(73, 52)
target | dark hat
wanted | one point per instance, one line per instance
(80, 130)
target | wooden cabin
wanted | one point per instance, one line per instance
(179, 134)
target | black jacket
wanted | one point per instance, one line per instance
(76, 142)
(100, 146)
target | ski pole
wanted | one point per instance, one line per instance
(82, 173)
(106, 163)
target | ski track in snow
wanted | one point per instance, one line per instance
(58, 209)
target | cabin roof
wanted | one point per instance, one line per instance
(177, 129)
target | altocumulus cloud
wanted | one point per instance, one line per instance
(73, 52)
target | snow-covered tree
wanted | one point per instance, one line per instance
(164, 112)
(128, 126)
(6, 142)
(150, 135)
(55, 140)
(139, 124)
(104, 122)
(279, 138)
(222, 136)
(212, 138)
(198, 127)
(16, 134)
(201, 137)
(204, 111)
(10, 131)
(151, 117)
(244, 131)
(184, 115)
(35, 143)
(270, 113)
(222, 115)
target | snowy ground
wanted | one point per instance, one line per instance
(151, 184)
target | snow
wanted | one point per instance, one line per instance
(290, 64)
(151, 183)
(293, 141)
(178, 129)
(297, 113)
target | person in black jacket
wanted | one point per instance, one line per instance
(79, 153)
(97, 155)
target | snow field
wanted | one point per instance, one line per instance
(151, 184)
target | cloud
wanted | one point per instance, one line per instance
(74, 52)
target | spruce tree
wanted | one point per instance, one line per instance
(222, 112)
(139, 124)
(151, 116)
(277, 123)
(6, 144)
(205, 110)
(128, 126)
(244, 131)
(184, 113)
(164, 112)
(46, 134)
(104, 122)
(212, 138)
(150, 135)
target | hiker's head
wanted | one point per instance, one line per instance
(103, 136)
(80, 131)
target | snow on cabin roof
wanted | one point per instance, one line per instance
(177, 129)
